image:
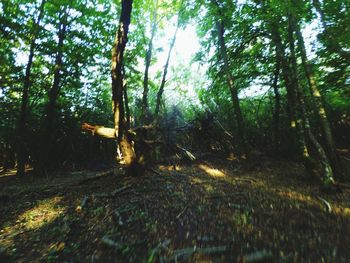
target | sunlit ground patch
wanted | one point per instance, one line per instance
(45, 212)
(196, 180)
(170, 168)
(211, 171)
(315, 201)
(296, 196)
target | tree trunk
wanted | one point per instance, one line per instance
(327, 175)
(102, 131)
(231, 85)
(165, 72)
(47, 154)
(290, 82)
(22, 154)
(145, 110)
(127, 109)
(56, 85)
(126, 102)
(277, 110)
(317, 101)
(230, 79)
(133, 167)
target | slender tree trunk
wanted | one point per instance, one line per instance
(230, 79)
(126, 101)
(277, 110)
(22, 154)
(165, 72)
(317, 100)
(295, 120)
(145, 110)
(56, 85)
(133, 166)
(231, 85)
(327, 176)
(47, 157)
(127, 109)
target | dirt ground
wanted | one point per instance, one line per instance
(207, 211)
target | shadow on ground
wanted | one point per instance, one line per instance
(204, 212)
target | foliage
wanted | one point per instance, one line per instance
(84, 94)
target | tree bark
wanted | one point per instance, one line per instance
(317, 101)
(102, 131)
(126, 102)
(133, 166)
(22, 154)
(165, 72)
(47, 157)
(327, 175)
(127, 109)
(231, 85)
(277, 110)
(56, 85)
(145, 110)
(290, 82)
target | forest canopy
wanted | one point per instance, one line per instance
(265, 76)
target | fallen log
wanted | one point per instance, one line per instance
(134, 164)
(99, 130)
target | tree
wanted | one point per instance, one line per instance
(145, 110)
(277, 109)
(220, 25)
(124, 141)
(165, 70)
(316, 98)
(75, 53)
(56, 85)
(22, 152)
(305, 129)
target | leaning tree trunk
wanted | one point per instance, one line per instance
(144, 109)
(294, 116)
(231, 85)
(317, 101)
(165, 72)
(22, 121)
(133, 166)
(327, 175)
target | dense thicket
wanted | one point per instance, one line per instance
(267, 87)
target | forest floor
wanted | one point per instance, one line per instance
(209, 211)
